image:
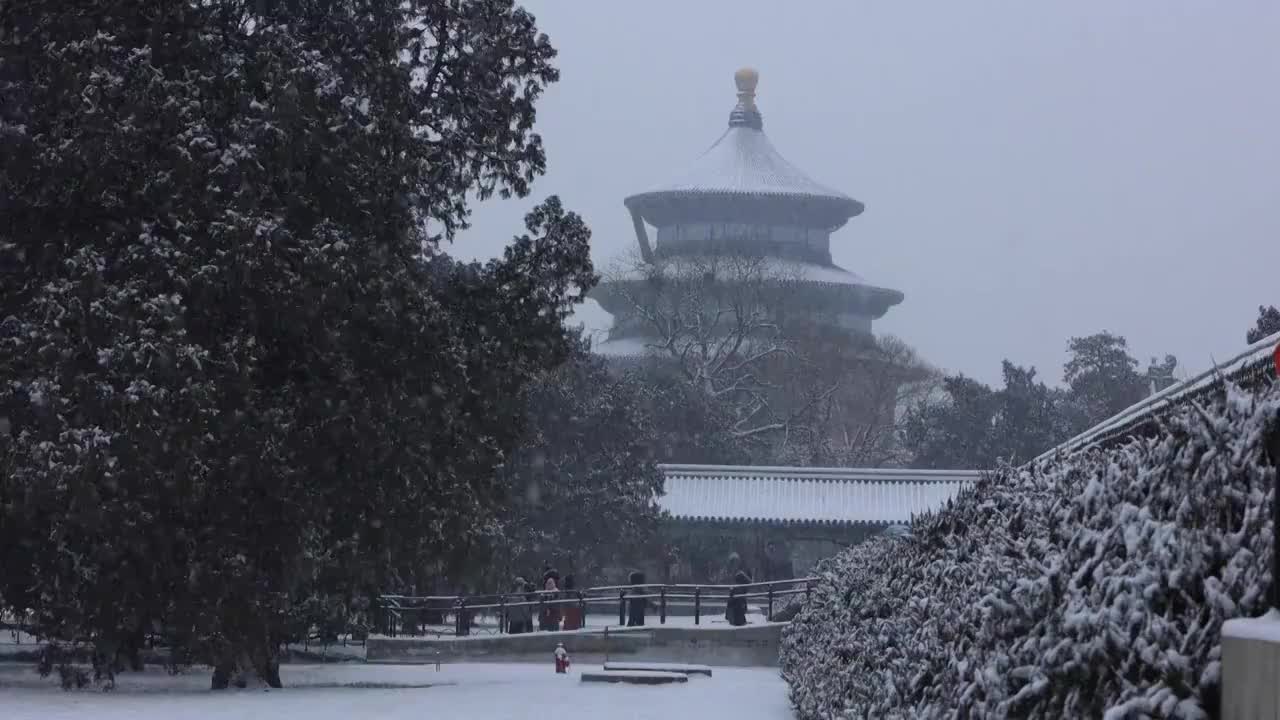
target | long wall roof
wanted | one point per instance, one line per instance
(807, 495)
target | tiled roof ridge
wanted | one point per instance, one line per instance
(818, 473)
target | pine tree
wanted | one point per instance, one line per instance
(1268, 323)
(1030, 416)
(1102, 376)
(955, 432)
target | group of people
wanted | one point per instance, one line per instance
(549, 605)
(555, 606)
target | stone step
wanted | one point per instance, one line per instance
(659, 667)
(635, 677)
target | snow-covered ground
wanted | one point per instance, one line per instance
(342, 692)
(13, 645)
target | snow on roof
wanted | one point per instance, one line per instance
(1257, 355)
(744, 162)
(623, 348)
(807, 495)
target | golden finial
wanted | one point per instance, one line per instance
(745, 113)
(746, 80)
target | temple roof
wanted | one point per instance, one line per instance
(807, 495)
(743, 163)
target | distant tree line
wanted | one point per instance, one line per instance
(973, 425)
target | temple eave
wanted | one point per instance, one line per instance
(616, 296)
(668, 207)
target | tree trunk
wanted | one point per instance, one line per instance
(222, 673)
(266, 663)
(137, 640)
(226, 670)
(271, 673)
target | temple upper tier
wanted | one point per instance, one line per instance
(742, 189)
(742, 197)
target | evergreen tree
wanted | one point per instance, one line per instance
(582, 487)
(954, 432)
(240, 377)
(1102, 376)
(975, 427)
(1268, 323)
(1030, 416)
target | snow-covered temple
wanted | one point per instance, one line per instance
(741, 195)
(742, 198)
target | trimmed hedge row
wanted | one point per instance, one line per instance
(1092, 585)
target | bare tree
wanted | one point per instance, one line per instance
(742, 329)
(716, 317)
(859, 424)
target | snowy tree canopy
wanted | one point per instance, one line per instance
(238, 372)
(971, 425)
(581, 489)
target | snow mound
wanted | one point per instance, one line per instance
(1091, 584)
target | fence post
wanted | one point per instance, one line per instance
(460, 609)
(622, 607)
(502, 614)
(662, 605)
(582, 610)
(769, 616)
(697, 604)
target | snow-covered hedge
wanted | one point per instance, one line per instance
(1093, 585)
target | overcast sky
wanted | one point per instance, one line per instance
(1031, 170)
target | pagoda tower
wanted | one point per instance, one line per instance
(742, 197)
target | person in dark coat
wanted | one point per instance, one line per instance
(636, 607)
(735, 610)
(520, 618)
(465, 618)
(732, 566)
(531, 597)
(572, 613)
(777, 563)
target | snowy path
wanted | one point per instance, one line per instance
(342, 692)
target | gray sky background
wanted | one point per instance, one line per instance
(1031, 170)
